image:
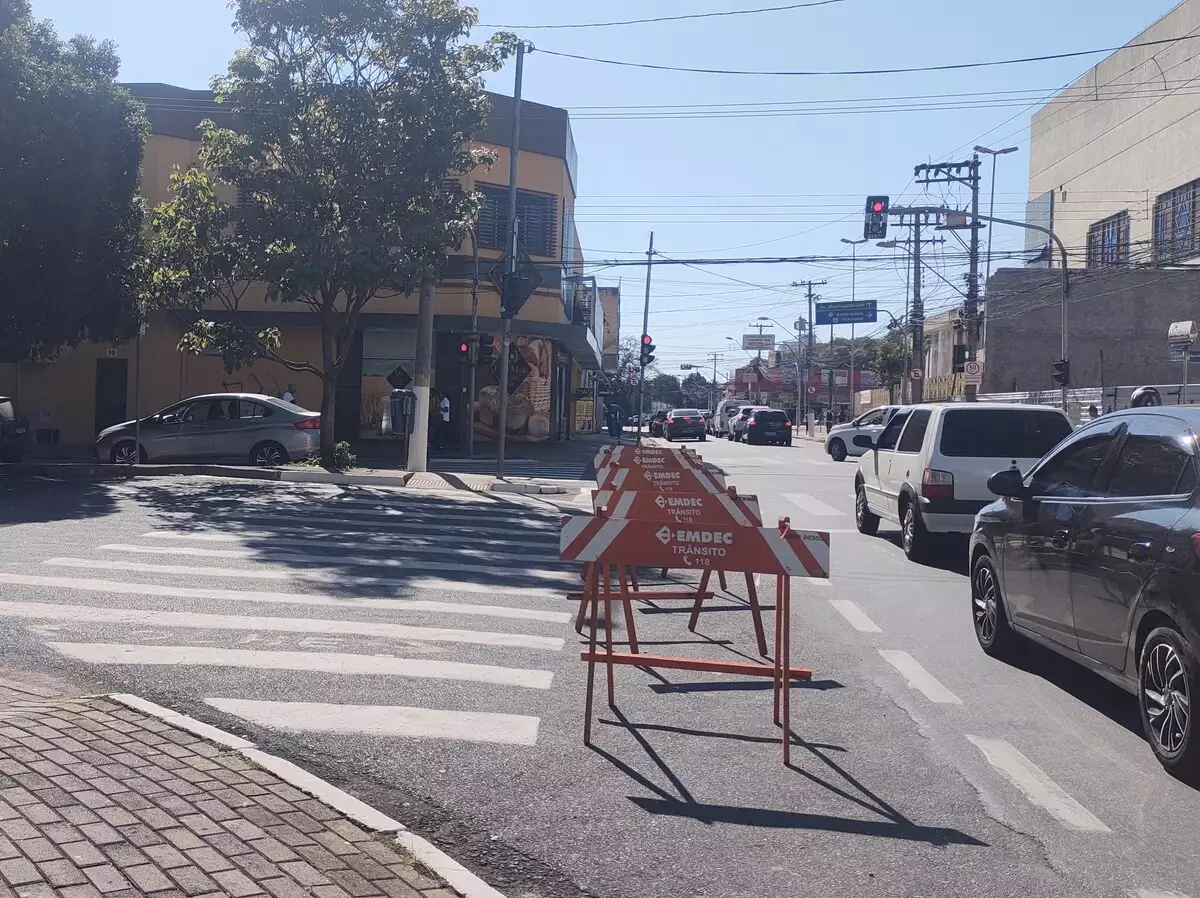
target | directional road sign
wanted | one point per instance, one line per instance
(862, 311)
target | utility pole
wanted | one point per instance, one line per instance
(953, 173)
(418, 441)
(918, 315)
(712, 385)
(514, 148)
(473, 344)
(645, 329)
(906, 382)
(808, 352)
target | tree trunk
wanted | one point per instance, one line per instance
(329, 381)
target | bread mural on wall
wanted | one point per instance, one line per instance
(531, 368)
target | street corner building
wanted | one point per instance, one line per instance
(560, 337)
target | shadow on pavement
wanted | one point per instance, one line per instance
(24, 501)
(337, 540)
(891, 825)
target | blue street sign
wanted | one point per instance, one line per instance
(863, 311)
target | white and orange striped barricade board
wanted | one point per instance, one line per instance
(665, 480)
(685, 509)
(603, 541)
(623, 456)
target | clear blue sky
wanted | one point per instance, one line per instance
(718, 186)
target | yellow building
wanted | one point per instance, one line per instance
(556, 337)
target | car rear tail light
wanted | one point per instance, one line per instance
(937, 484)
(787, 423)
(309, 423)
(753, 420)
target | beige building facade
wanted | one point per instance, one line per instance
(1113, 165)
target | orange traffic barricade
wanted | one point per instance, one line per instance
(604, 542)
(708, 509)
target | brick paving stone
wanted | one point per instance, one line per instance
(236, 884)
(87, 891)
(330, 892)
(174, 805)
(62, 873)
(18, 829)
(182, 838)
(132, 801)
(353, 883)
(250, 789)
(398, 888)
(283, 887)
(125, 855)
(208, 860)
(18, 871)
(192, 880)
(289, 835)
(302, 822)
(273, 850)
(320, 858)
(348, 831)
(256, 865)
(304, 873)
(367, 867)
(93, 799)
(17, 796)
(383, 852)
(156, 818)
(414, 878)
(273, 803)
(200, 824)
(46, 767)
(8, 849)
(8, 812)
(335, 843)
(245, 829)
(101, 833)
(229, 845)
(231, 798)
(261, 816)
(148, 878)
(115, 816)
(61, 832)
(34, 890)
(40, 814)
(166, 856)
(316, 810)
(85, 854)
(216, 810)
(79, 816)
(141, 835)
(67, 781)
(106, 878)
(39, 849)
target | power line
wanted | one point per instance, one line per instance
(697, 15)
(847, 72)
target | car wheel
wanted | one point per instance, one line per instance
(864, 520)
(992, 630)
(913, 536)
(668, 437)
(703, 438)
(1167, 683)
(837, 450)
(268, 455)
(125, 453)
(788, 441)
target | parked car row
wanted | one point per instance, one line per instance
(1085, 541)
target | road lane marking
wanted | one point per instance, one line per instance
(810, 505)
(1155, 893)
(307, 662)
(91, 614)
(267, 554)
(919, 678)
(1038, 788)
(347, 538)
(314, 576)
(856, 616)
(118, 587)
(307, 510)
(385, 720)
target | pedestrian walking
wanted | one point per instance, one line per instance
(289, 395)
(444, 413)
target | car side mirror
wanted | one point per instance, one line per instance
(864, 441)
(1008, 483)
(168, 419)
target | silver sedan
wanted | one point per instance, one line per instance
(243, 428)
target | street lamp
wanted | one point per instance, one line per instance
(992, 203)
(854, 245)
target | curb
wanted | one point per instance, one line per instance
(529, 489)
(459, 877)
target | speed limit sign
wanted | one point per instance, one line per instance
(812, 391)
(973, 369)
(916, 373)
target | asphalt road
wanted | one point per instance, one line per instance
(920, 766)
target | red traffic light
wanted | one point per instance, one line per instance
(646, 341)
(877, 207)
(463, 348)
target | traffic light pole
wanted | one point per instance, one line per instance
(514, 148)
(474, 345)
(645, 328)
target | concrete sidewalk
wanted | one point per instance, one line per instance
(98, 799)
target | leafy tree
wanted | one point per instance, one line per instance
(71, 145)
(695, 390)
(352, 122)
(663, 388)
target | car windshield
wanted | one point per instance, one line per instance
(770, 416)
(1002, 433)
(685, 413)
(6, 409)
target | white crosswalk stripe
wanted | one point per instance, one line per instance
(302, 609)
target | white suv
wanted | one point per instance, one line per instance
(840, 442)
(928, 470)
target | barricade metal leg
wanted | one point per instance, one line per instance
(608, 644)
(701, 592)
(583, 596)
(779, 669)
(784, 589)
(664, 573)
(721, 580)
(593, 586)
(630, 626)
(756, 613)
(633, 577)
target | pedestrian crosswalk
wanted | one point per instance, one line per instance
(319, 610)
(519, 467)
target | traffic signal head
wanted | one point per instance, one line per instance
(464, 352)
(1062, 372)
(875, 223)
(647, 350)
(487, 349)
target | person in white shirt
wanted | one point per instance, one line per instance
(444, 409)
(289, 395)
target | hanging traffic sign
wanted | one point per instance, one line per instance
(399, 378)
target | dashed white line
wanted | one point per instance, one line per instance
(919, 678)
(812, 506)
(1038, 788)
(856, 616)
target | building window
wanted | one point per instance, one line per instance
(537, 212)
(1108, 242)
(1175, 233)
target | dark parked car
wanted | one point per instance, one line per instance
(737, 424)
(685, 422)
(14, 432)
(1095, 553)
